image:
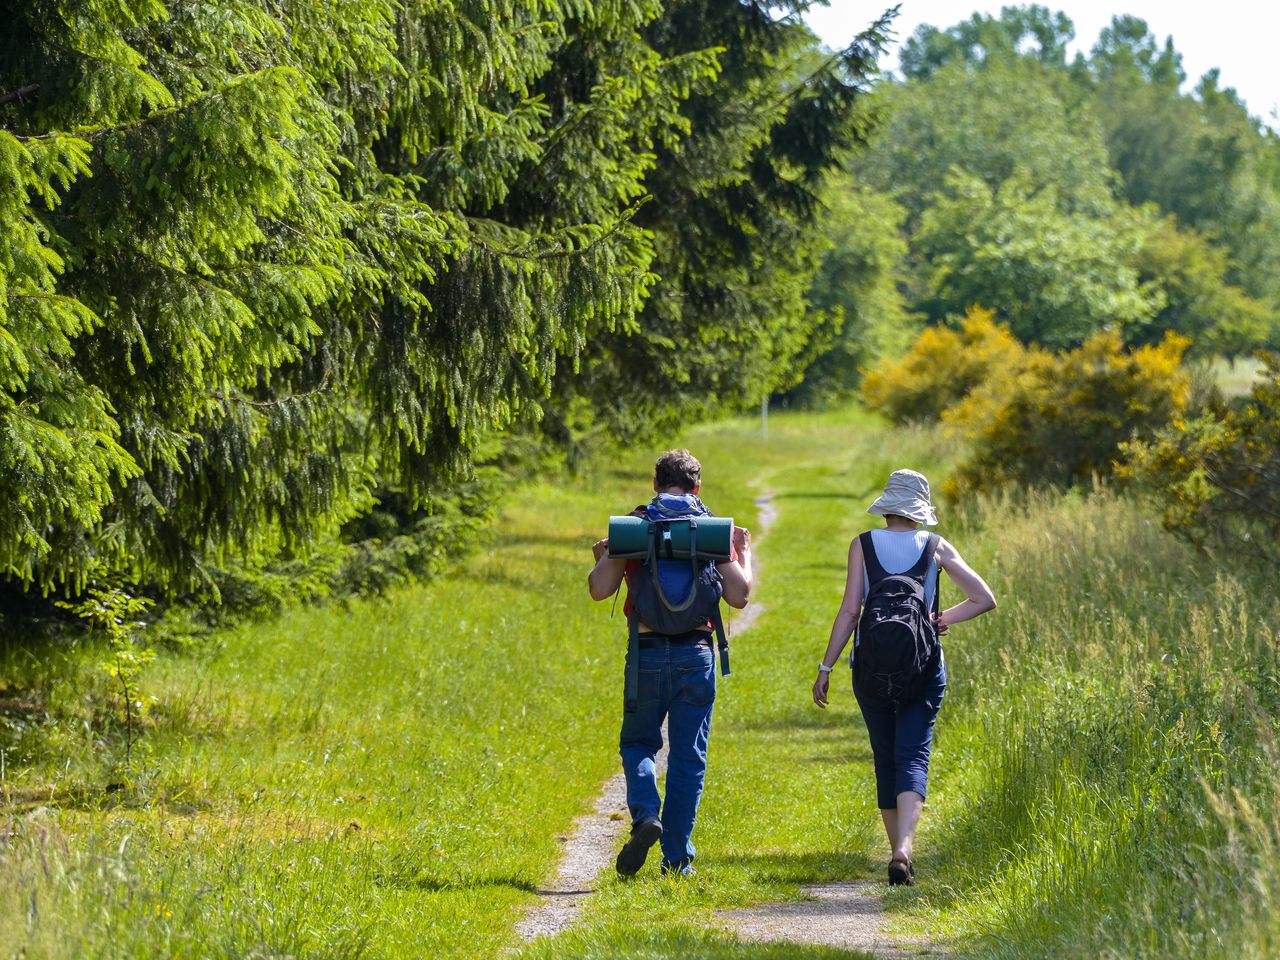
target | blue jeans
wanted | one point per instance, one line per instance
(677, 682)
(901, 737)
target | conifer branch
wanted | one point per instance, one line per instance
(177, 108)
(19, 94)
(565, 252)
(321, 387)
(873, 38)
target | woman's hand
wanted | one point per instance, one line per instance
(820, 687)
(741, 540)
(600, 548)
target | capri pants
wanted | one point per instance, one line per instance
(901, 736)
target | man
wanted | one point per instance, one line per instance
(676, 681)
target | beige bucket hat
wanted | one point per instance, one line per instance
(906, 495)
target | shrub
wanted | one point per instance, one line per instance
(1217, 478)
(941, 367)
(1061, 419)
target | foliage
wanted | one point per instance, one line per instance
(1032, 31)
(735, 202)
(1190, 276)
(264, 260)
(1056, 278)
(859, 282)
(942, 366)
(1028, 181)
(1217, 478)
(117, 618)
(1199, 156)
(1061, 419)
(989, 123)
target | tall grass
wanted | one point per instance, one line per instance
(1108, 769)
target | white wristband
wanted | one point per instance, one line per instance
(823, 668)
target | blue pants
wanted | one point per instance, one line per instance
(901, 736)
(677, 682)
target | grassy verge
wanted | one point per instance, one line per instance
(382, 779)
(388, 779)
(1107, 769)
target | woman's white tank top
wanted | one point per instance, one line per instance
(898, 551)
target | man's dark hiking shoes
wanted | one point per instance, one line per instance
(643, 836)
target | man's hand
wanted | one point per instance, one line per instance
(741, 540)
(600, 548)
(940, 625)
(820, 687)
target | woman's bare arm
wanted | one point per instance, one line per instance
(978, 596)
(845, 622)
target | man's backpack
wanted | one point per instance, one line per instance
(896, 648)
(653, 602)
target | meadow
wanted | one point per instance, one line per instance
(389, 778)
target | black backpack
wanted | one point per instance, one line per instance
(650, 603)
(896, 648)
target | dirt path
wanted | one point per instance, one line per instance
(847, 916)
(597, 836)
(589, 849)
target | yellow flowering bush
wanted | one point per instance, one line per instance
(941, 367)
(1217, 477)
(1061, 418)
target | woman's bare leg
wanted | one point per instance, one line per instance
(890, 818)
(906, 818)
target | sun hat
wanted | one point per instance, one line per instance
(906, 495)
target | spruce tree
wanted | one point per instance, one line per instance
(733, 217)
(258, 260)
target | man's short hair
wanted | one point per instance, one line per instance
(677, 468)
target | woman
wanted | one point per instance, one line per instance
(901, 730)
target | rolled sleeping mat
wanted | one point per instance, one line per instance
(629, 538)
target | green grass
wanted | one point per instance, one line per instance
(389, 779)
(1108, 737)
(1234, 378)
(385, 779)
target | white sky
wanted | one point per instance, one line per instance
(1240, 37)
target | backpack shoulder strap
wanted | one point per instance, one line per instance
(717, 621)
(631, 684)
(875, 572)
(920, 569)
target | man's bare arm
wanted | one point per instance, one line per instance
(606, 576)
(736, 574)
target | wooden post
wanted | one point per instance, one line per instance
(764, 417)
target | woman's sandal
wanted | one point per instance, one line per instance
(901, 873)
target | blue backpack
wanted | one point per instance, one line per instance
(673, 595)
